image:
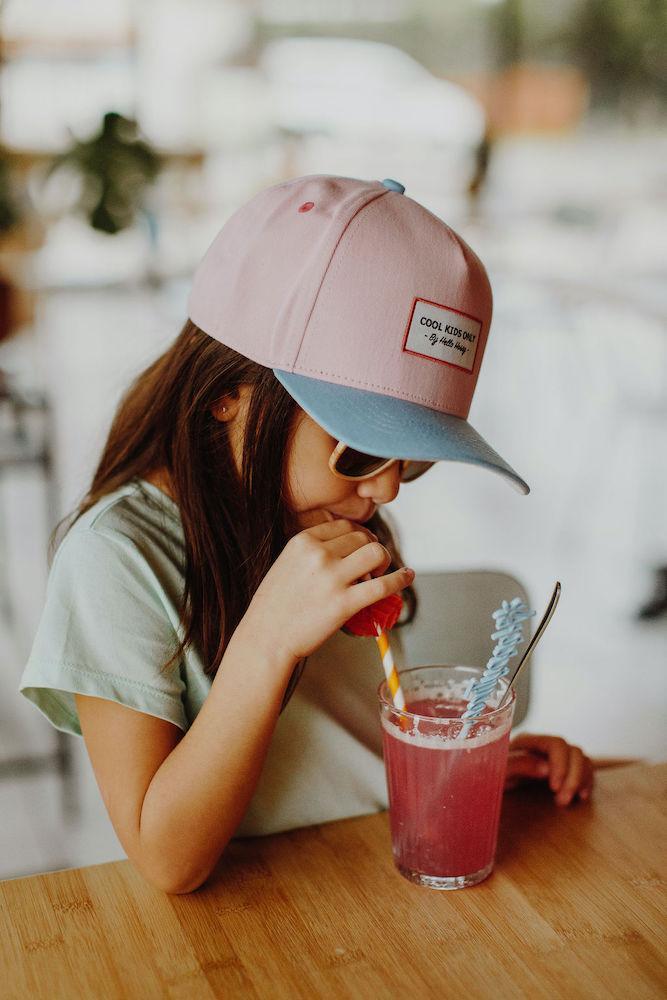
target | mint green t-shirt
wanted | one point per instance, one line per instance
(111, 620)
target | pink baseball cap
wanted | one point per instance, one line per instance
(370, 310)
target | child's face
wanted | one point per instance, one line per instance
(314, 493)
(314, 490)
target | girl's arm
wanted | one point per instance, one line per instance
(200, 792)
(174, 798)
(176, 801)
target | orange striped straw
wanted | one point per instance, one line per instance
(391, 674)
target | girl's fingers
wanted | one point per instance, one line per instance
(366, 559)
(369, 591)
(522, 764)
(335, 527)
(570, 770)
(573, 778)
(587, 783)
(345, 545)
(556, 750)
(584, 783)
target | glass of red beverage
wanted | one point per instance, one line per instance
(445, 793)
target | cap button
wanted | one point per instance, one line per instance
(393, 185)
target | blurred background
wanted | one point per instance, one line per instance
(131, 130)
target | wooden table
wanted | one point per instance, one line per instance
(574, 908)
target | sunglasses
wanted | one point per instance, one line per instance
(348, 463)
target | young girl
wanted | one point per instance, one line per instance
(233, 525)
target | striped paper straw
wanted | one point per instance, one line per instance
(391, 674)
(390, 669)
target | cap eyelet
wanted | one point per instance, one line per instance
(307, 205)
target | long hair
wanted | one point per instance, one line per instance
(235, 526)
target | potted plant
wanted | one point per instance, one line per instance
(115, 168)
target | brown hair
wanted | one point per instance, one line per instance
(234, 528)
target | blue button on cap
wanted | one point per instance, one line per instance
(393, 185)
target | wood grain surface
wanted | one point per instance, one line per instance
(574, 908)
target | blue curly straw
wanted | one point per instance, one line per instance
(509, 633)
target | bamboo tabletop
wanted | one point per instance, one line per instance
(574, 908)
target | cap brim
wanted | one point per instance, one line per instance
(396, 428)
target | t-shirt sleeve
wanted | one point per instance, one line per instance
(104, 631)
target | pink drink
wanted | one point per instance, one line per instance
(445, 794)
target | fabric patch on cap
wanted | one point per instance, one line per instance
(442, 334)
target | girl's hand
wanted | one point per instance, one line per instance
(312, 588)
(569, 770)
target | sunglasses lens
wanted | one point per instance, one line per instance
(413, 470)
(358, 463)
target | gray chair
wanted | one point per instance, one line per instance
(454, 624)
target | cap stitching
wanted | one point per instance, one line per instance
(379, 194)
(336, 265)
(376, 385)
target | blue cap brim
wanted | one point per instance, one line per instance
(394, 428)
